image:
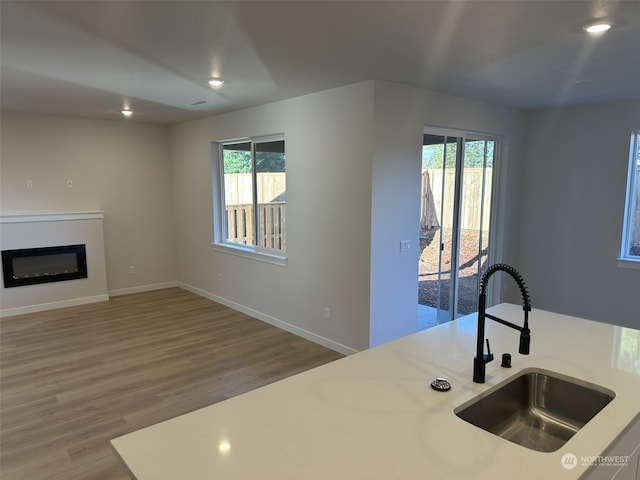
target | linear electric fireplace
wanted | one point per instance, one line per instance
(30, 266)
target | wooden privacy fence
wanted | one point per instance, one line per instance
(271, 224)
(271, 191)
(238, 187)
(435, 181)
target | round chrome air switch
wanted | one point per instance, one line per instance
(441, 384)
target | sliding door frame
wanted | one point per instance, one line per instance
(462, 136)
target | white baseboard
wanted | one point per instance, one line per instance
(301, 332)
(142, 288)
(51, 305)
(82, 301)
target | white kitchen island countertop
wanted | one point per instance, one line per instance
(373, 415)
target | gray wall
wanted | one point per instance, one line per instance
(353, 171)
(328, 156)
(116, 166)
(571, 223)
(353, 192)
(400, 116)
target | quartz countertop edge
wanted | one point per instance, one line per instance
(373, 415)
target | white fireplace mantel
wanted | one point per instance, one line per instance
(50, 217)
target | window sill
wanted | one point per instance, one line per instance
(629, 263)
(251, 253)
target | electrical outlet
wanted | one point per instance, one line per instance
(219, 277)
(327, 313)
(132, 269)
(405, 245)
(69, 183)
(29, 183)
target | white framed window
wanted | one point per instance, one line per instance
(250, 179)
(630, 251)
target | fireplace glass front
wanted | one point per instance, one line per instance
(31, 266)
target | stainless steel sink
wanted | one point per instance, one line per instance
(537, 409)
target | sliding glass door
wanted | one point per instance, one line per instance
(457, 172)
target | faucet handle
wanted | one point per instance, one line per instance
(488, 356)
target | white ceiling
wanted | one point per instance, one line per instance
(91, 58)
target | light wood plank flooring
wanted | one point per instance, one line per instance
(72, 379)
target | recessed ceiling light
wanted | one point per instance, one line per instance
(598, 27)
(126, 112)
(216, 82)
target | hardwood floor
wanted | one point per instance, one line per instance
(72, 379)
